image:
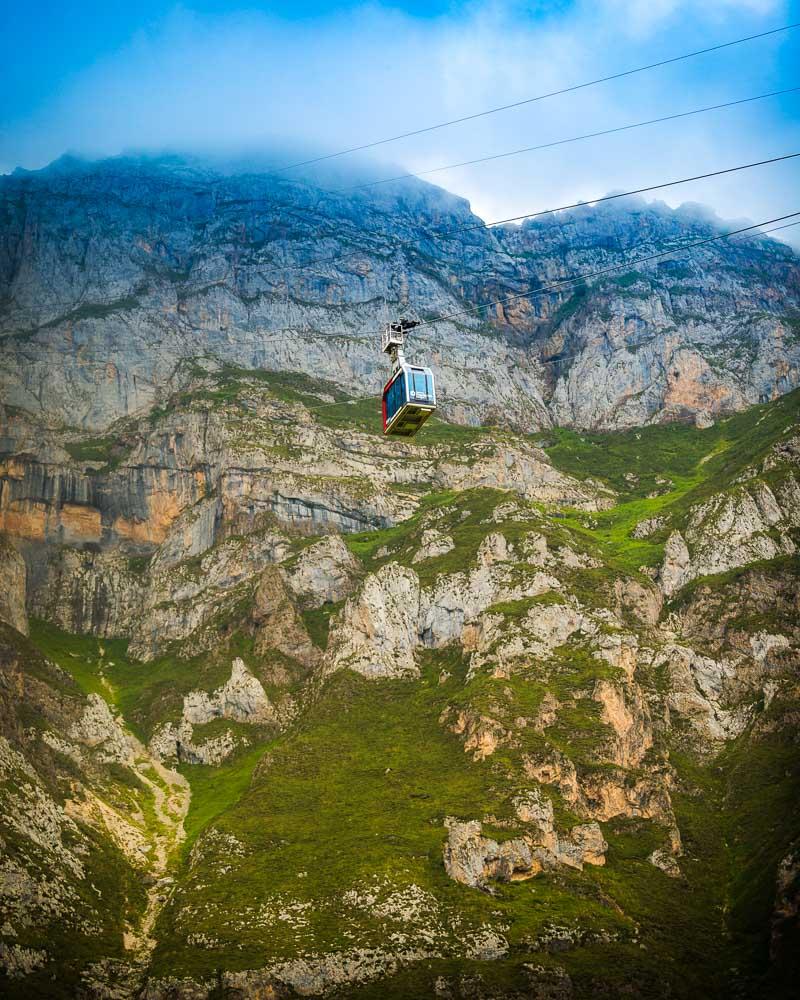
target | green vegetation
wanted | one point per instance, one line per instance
(110, 451)
(318, 622)
(109, 895)
(360, 789)
(95, 310)
(145, 693)
(91, 450)
(664, 470)
(356, 797)
(216, 789)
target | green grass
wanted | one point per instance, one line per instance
(693, 464)
(360, 789)
(79, 655)
(681, 452)
(360, 785)
(111, 893)
(145, 693)
(318, 622)
(763, 789)
(216, 789)
(91, 449)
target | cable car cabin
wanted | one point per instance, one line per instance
(409, 398)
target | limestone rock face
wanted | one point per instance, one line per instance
(584, 846)
(667, 346)
(536, 812)
(242, 698)
(392, 615)
(191, 534)
(99, 729)
(82, 590)
(649, 526)
(625, 711)
(378, 631)
(604, 795)
(481, 734)
(458, 599)
(13, 578)
(496, 643)
(676, 568)
(278, 625)
(750, 523)
(434, 543)
(181, 602)
(177, 742)
(698, 688)
(325, 572)
(475, 860)
(157, 541)
(525, 471)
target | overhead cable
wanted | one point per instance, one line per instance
(471, 227)
(564, 142)
(538, 97)
(580, 278)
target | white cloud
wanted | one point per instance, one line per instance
(641, 17)
(249, 80)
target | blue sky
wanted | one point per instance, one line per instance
(98, 78)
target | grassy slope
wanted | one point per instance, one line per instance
(361, 789)
(326, 803)
(682, 464)
(109, 876)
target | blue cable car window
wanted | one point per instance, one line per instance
(422, 382)
(395, 397)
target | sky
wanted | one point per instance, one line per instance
(97, 79)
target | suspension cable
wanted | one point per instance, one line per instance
(564, 142)
(538, 97)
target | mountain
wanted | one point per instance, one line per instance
(112, 274)
(291, 709)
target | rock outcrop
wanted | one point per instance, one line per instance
(377, 633)
(241, 699)
(750, 523)
(278, 624)
(324, 573)
(503, 646)
(13, 589)
(475, 860)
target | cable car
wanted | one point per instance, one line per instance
(409, 397)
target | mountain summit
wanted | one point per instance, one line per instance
(113, 273)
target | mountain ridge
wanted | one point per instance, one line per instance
(159, 268)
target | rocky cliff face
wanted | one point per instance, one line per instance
(486, 714)
(113, 274)
(303, 711)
